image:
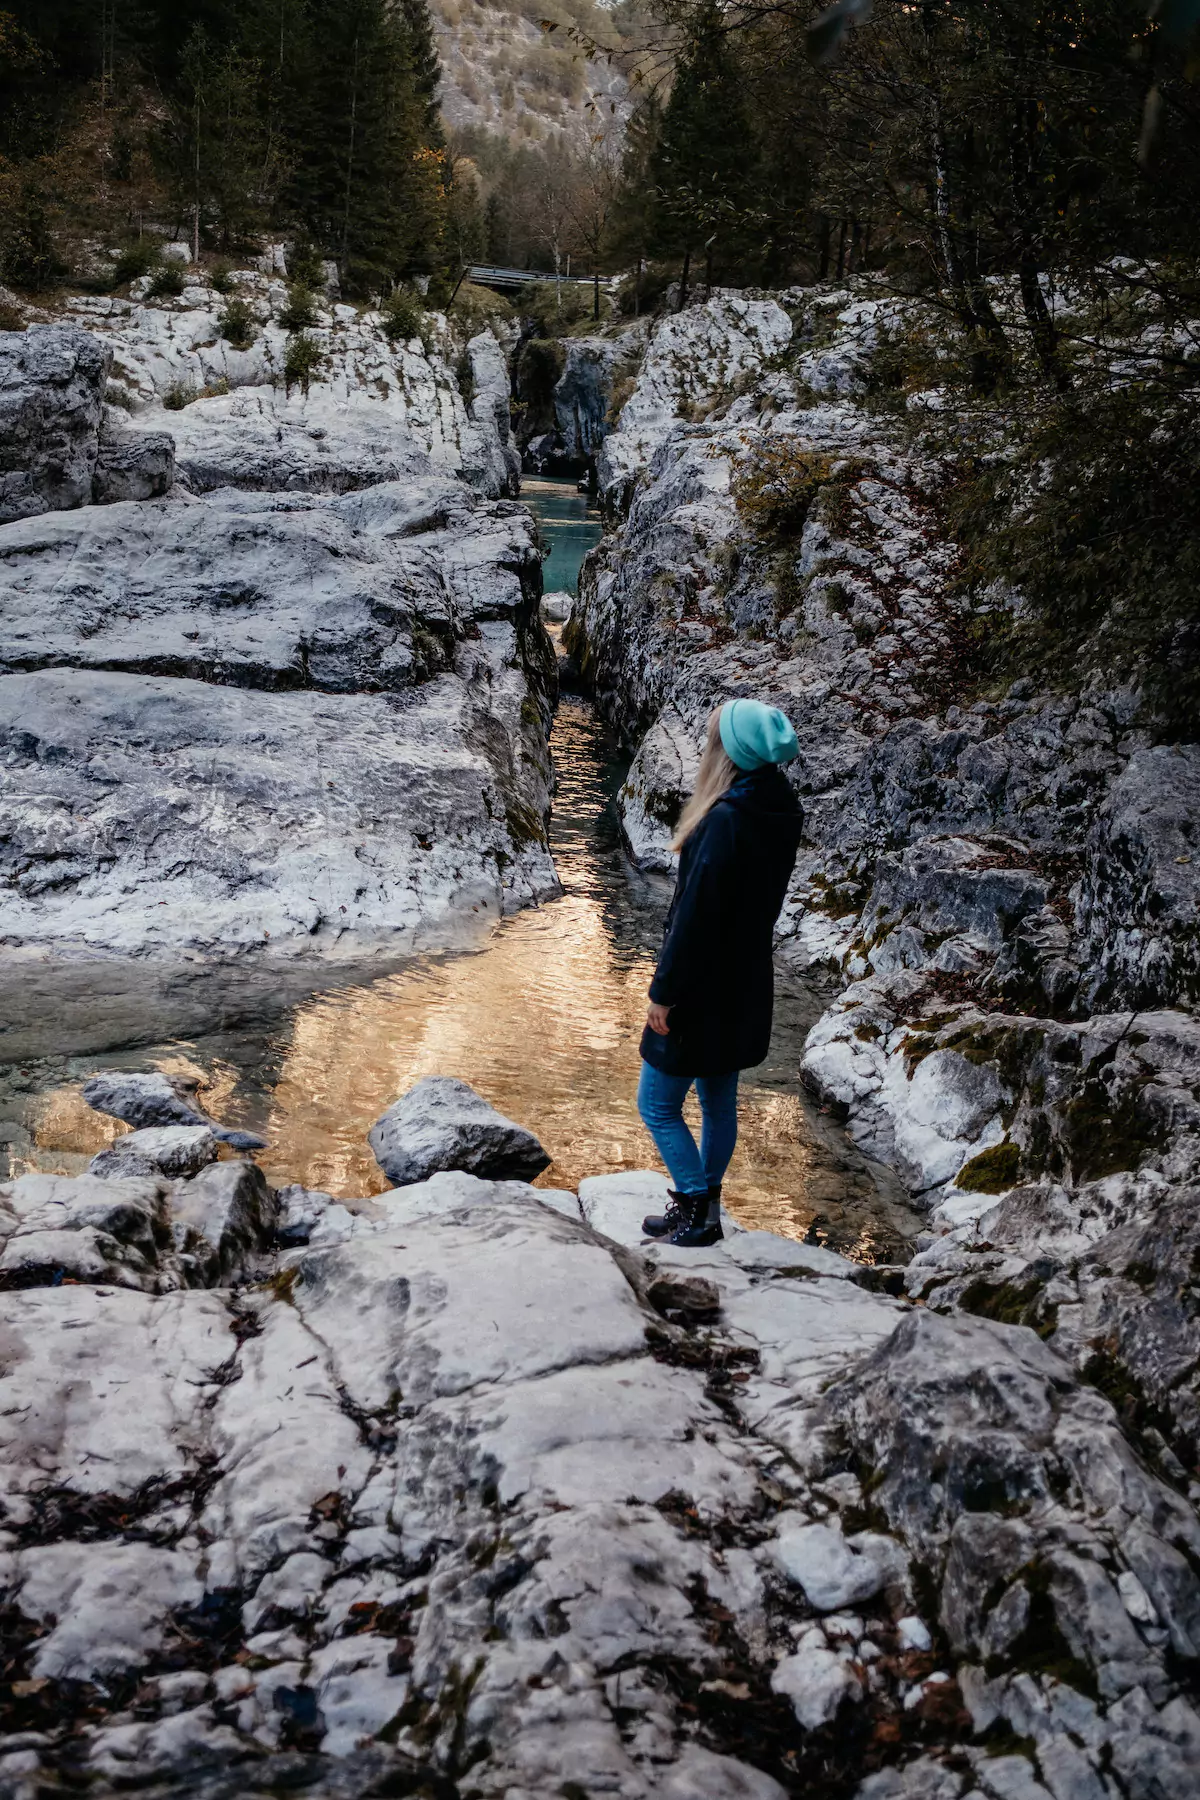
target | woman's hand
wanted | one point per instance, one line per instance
(656, 1018)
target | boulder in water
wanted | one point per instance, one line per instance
(155, 1099)
(556, 607)
(442, 1123)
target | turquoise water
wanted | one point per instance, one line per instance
(570, 524)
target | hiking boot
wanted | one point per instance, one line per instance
(678, 1214)
(704, 1225)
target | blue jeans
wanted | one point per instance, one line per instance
(660, 1101)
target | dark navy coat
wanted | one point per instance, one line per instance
(715, 969)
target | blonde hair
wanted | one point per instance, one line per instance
(716, 772)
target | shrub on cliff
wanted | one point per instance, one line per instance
(238, 324)
(1090, 515)
(301, 309)
(403, 318)
(28, 255)
(775, 487)
(303, 358)
(166, 282)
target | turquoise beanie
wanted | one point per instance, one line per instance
(755, 735)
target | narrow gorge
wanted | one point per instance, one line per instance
(321, 1480)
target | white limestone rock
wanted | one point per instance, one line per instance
(357, 593)
(446, 1443)
(690, 357)
(219, 1219)
(132, 465)
(52, 383)
(834, 1571)
(159, 1150)
(55, 1227)
(1138, 906)
(556, 607)
(443, 1124)
(816, 1680)
(374, 411)
(147, 815)
(107, 1607)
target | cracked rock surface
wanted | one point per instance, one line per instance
(483, 1499)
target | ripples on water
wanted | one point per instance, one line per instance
(544, 1020)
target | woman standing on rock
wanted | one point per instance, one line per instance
(714, 988)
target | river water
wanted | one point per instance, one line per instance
(544, 1020)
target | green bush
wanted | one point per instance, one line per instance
(220, 277)
(992, 1171)
(179, 395)
(237, 324)
(138, 257)
(10, 318)
(305, 264)
(775, 487)
(28, 255)
(554, 306)
(304, 357)
(301, 309)
(403, 317)
(476, 307)
(1090, 516)
(166, 281)
(644, 296)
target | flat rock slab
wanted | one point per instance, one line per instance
(145, 814)
(350, 593)
(443, 1124)
(616, 1205)
(462, 1439)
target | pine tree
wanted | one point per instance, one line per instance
(425, 65)
(364, 178)
(703, 162)
(219, 142)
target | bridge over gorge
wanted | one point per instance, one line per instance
(508, 281)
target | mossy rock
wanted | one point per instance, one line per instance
(993, 1171)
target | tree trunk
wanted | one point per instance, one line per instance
(823, 252)
(1042, 330)
(196, 192)
(991, 357)
(350, 155)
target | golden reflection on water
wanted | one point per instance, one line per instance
(544, 1020)
(545, 1025)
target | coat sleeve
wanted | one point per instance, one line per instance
(693, 932)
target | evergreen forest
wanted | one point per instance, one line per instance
(225, 120)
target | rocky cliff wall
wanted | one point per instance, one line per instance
(1005, 886)
(298, 703)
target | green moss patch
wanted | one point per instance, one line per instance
(993, 1171)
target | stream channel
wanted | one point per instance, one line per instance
(544, 1020)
